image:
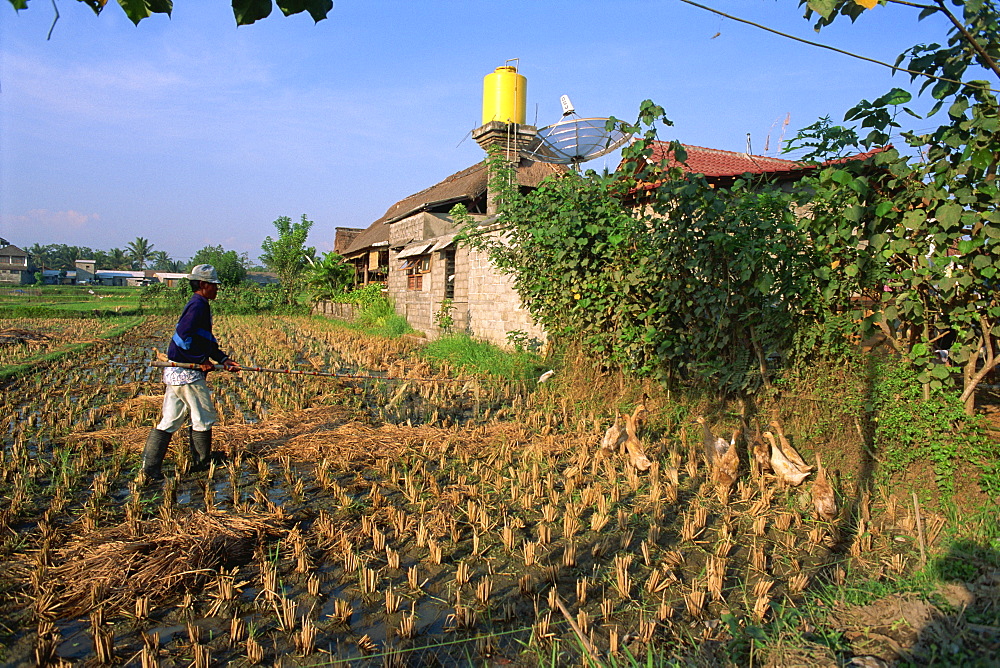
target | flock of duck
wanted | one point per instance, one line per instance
(778, 461)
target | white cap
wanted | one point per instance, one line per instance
(204, 272)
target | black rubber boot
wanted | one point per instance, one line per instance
(153, 453)
(201, 450)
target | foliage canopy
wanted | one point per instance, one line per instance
(244, 11)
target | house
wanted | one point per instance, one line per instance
(169, 278)
(16, 267)
(120, 278)
(411, 249)
(263, 278)
(85, 272)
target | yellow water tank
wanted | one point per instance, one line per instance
(504, 95)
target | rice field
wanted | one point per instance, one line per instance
(408, 517)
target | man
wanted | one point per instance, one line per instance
(187, 392)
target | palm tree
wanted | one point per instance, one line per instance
(119, 259)
(140, 251)
(160, 261)
(66, 256)
(41, 255)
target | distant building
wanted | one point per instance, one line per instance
(263, 277)
(16, 267)
(85, 270)
(120, 278)
(171, 279)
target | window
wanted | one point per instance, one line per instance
(449, 272)
(415, 268)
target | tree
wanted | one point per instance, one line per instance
(245, 11)
(920, 243)
(160, 261)
(43, 256)
(232, 266)
(288, 256)
(329, 275)
(140, 250)
(65, 257)
(118, 259)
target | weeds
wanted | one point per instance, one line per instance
(480, 358)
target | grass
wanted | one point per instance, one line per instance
(380, 319)
(461, 351)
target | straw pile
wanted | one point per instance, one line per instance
(113, 566)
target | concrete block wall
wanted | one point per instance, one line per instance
(485, 303)
(494, 306)
(334, 310)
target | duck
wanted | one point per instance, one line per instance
(715, 446)
(758, 450)
(612, 437)
(786, 447)
(786, 470)
(727, 466)
(633, 446)
(823, 497)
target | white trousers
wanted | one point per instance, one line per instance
(181, 400)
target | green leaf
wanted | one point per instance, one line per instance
(949, 214)
(982, 158)
(914, 219)
(918, 350)
(940, 371)
(883, 208)
(958, 107)
(894, 97)
(137, 10)
(249, 11)
(318, 9)
(823, 7)
(981, 261)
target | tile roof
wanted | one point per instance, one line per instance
(462, 186)
(713, 162)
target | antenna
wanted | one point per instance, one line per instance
(573, 140)
(784, 126)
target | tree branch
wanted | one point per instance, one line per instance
(987, 61)
(973, 380)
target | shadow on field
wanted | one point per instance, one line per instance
(959, 626)
(859, 505)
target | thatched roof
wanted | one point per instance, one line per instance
(461, 187)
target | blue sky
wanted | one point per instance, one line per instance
(190, 131)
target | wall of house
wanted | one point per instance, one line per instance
(421, 225)
(485, 303)
(417, 306)
(16, 276)
(494, 307)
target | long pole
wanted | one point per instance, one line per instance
(297, 372)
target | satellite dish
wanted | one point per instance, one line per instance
(573, 140)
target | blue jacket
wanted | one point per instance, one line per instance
(193, 341)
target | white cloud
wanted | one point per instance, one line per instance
(58, 220)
